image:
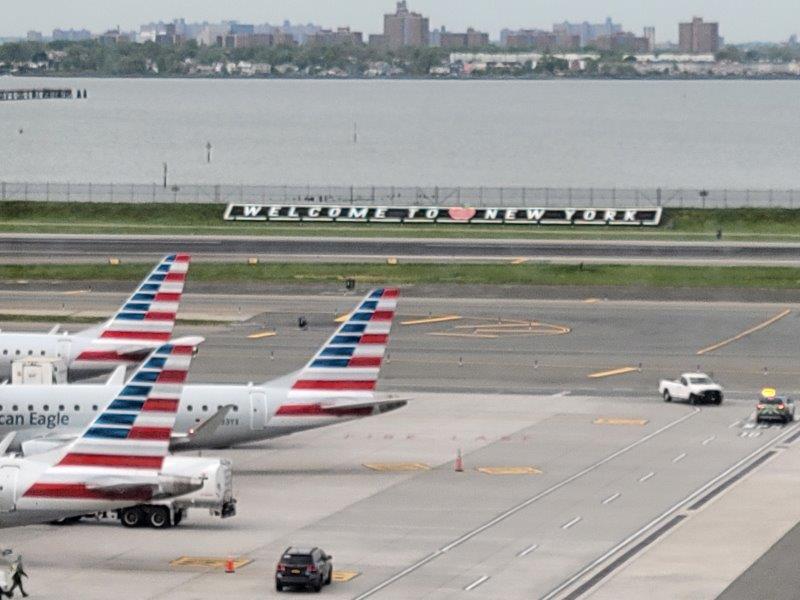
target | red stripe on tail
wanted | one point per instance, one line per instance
(159, 316)
(317, 384)
(160, 405)
(112, 460)
(171, 377)
(150, 433)
(374, 338)
(382, 315)
(365, 361)
(158, 336)
(167, 297)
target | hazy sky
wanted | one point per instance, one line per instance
(740, 20)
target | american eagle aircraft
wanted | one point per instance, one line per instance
(119, 459)
(337, 385)
(143, 322)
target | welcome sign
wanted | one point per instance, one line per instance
(463, 215)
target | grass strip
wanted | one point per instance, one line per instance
(87, 217)
(658, 276)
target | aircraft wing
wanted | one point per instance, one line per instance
(346, 405)
(120, 486)
(203, 433)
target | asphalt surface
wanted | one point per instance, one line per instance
(85, 247)
(507, 384)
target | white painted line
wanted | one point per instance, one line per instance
(476, 583)
(754, 434)
(521, 506)
(679, 458)
(734, 424)
(646, 477)
(696, 494)
(527, 550)
(707, 441)
(743, 434)
(562, 394)
(574, 521)
(611, 498)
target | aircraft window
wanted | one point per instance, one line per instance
(5, 352)
(94, 407)
(1, 408)
(46, 407)
(17, 352)
(235, 409)
(205, 408)
(189, 408)
(42, 352)
(30, 352)
(77, 408)
(61, 407)
(15, 408)
(30, 407)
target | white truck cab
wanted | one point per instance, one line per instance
(691, 387)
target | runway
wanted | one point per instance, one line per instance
(83, 248)
(560, 468)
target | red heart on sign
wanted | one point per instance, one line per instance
(458, 213)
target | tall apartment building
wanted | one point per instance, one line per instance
(698, 37)
(405, 28)
(650, 36)
(622, 42)
(588, 32)
(471, 39)
(71, 35)
(543, 41)
(341, 37)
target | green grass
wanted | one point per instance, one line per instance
(690, 224)
(491, 274)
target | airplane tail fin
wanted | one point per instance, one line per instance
(122, 451)
(144, 321)
(348, 364)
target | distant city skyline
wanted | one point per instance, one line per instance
(740, 21)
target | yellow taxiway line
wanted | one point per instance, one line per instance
(509, 470)
(342, 318)
(519, 261)
(261, 335)
(745, 333)
(432, 320)
(619, 421)
(611, 373)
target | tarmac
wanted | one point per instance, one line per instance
(571, 459)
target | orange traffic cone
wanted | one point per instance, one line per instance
(230, 566)
(459, 462)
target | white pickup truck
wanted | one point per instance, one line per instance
(691, 387)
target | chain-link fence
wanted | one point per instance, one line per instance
(400, 196)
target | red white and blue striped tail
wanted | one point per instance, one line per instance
(145, 321)
(349, 362)
(125, 445)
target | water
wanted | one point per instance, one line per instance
(715, 134)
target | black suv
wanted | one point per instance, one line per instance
(307, 567)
